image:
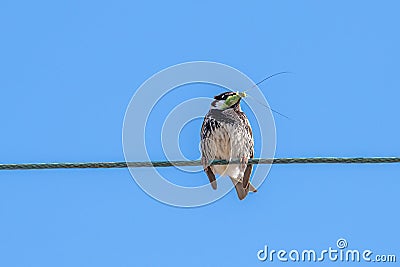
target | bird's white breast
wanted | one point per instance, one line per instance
(229, 142)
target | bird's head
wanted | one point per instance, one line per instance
(227, 100)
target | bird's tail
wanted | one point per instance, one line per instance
(240, 190)
(252, 188)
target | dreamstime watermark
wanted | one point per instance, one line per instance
(340, 253)
(147, 127)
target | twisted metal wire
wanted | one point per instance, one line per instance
(107, 165)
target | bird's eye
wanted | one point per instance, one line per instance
(224, 96)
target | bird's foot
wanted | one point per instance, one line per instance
(243, 163)
(205, 163)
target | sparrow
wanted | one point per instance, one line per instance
(226, 134)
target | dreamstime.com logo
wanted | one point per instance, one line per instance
(149, 119)
(338, 254)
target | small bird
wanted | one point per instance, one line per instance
(226, 135)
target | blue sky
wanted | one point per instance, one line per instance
(69, 69)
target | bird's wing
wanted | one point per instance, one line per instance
(246, 176)
(249, 168)
(209, 124)
(211, 177)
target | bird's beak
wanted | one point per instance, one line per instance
(242, 94)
